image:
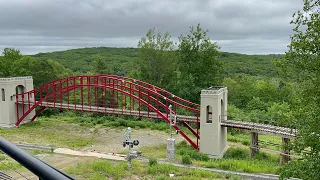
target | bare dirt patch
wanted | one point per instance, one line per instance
(110, 140)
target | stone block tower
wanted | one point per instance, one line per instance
(8, 88)
(213, 109)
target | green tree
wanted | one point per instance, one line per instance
(156, 60)
(42, 71)
(302, 61)
(10, 55)
(198, 62)
(101, 67)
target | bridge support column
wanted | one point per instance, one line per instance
(254, 144)
(8, 109)
(213, 110)
(285, 152)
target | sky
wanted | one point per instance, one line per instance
(241, 26)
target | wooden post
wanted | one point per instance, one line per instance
(284, 156)
(254, 144)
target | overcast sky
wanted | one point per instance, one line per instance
(243, 26)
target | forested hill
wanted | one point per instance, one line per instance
(80, 60)
(121, 60)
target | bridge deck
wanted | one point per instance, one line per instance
(255, 127)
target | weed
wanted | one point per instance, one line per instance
(236, 153)
(184, 149)
(186, 159)
(245, 142)
(153, 161)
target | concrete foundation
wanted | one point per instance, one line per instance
(213, 109)
(8, 88)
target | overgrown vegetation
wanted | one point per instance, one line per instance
(236, 159)
(153, 161)
(301, 65)
(101, 169)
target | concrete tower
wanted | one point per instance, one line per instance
(8, 88)
(213, 109)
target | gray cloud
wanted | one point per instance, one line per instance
(250, 26)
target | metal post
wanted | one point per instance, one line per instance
(285, 152)
(171, 141)
(170, 107)
(254, 144)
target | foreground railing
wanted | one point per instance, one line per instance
(35, 165)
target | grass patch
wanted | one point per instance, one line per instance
(184, 149)
(238, 159)
(245, 138)
(102, 169)
(153, 161)
(186, 159)
(6, 163)
(155, 151)
(113, 121)
(37, 151)
(50, 131)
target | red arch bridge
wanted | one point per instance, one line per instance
(125, 96)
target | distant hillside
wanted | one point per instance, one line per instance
(248, 64)
(121, 60)
(79, 60)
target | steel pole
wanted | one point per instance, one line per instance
(170, 107)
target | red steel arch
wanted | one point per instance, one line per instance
(108, 94)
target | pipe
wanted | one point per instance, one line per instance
(35, 165)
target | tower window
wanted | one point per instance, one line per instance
(3, 95)
(209, 114)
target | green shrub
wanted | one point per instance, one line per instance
(185, 149)
(153, 161)
(236, 153)
(123, 123)
(162, 169)
(245, 142)
(186, 159)
(182, 144)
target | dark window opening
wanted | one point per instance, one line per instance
(209, 114)
(3, 95)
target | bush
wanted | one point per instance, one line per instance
(245, 142)
(153, 161)
(182, 144)
(185, 149)
(186, 159)
(236, 153)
